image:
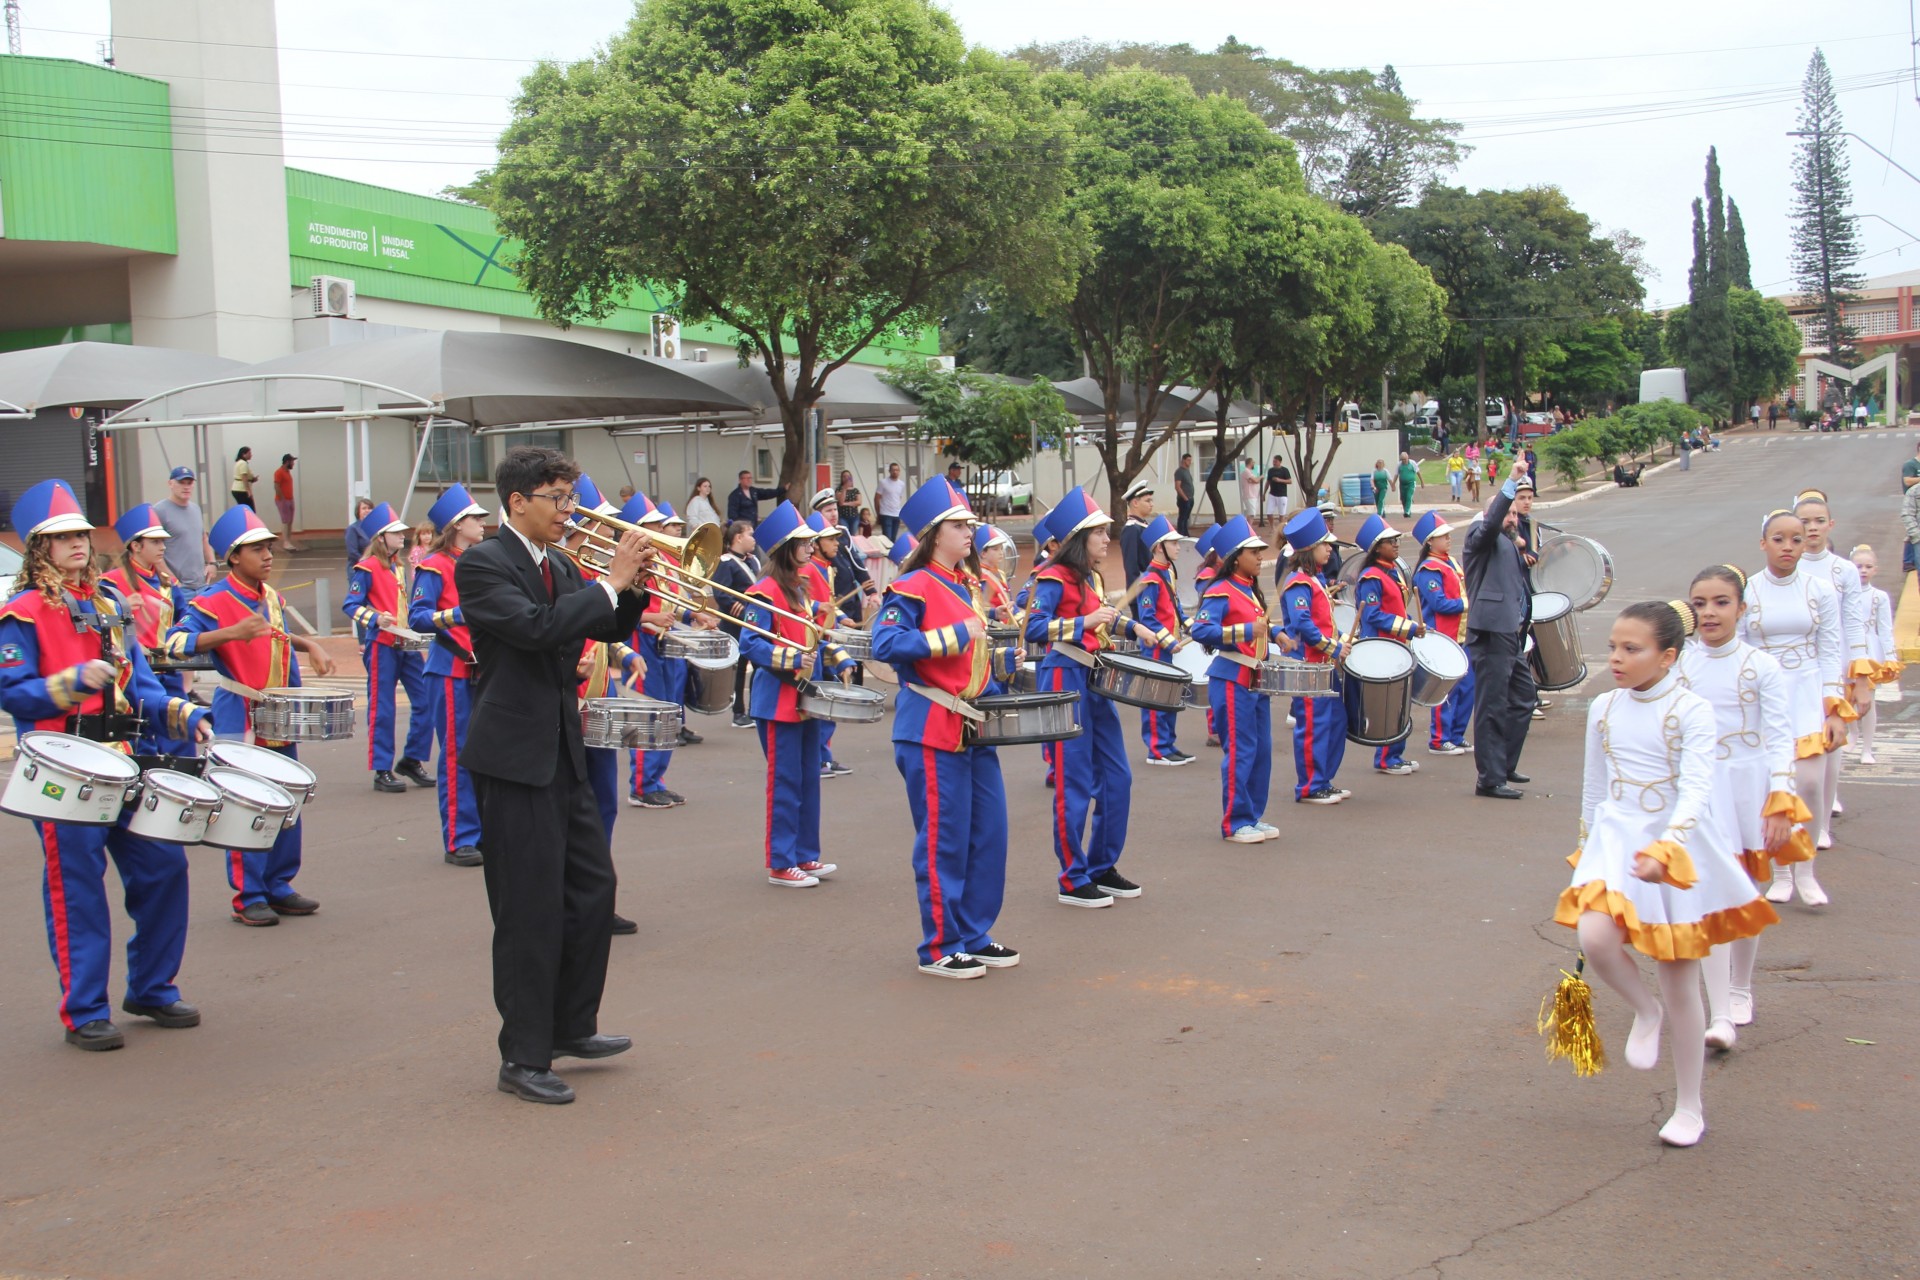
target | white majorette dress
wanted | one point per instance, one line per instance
(1796, 620)
(1753, 748)
(1649, 789)
(1844, 574)
(1882, 651)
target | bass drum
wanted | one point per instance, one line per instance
(1379, 688)
(1578, 568)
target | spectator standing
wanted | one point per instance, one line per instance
(1279, 490)
(743, 503)
(1533, 460)
(1860, 415)
(847, 498)
(189, 554)
(1753, 415)
(1183, 494)
(889, 493)
(1381, 480)
(1910, 471)
(700, 509)
(953, 478)
(1456, 473)
(1471, 456)
(243, 478)
(1409, 478)
(283, 499)
(1773, 415)
(1686, 451)
(357, 540)
(1910, 517)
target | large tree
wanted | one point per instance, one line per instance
(1705, 343)
(989, 332)
(1826, 237)
(819, 177)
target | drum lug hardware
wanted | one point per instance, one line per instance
(32, 771)
(153, 802)
(86, 791)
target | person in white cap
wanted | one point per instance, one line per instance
(1134, 557)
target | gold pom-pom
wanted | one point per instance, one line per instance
(1566, 1020)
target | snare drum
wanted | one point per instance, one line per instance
(60, 778)
(1292, 678)
(1345, 619)
(1379, 682)
(1439, 663)
(710, 692)
(1017, 718)
(1194, 660)
(411, 641)
(858, 644)
(159, 662)
(1576, 567)
(643, 724)
(844, 703)
(253, 811)
(708, 650)
(1141, 682)
(174, 807)
(282, 771)
(1027, 678)
(303, 715)
(1557, 663)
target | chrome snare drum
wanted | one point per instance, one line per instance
(303, 715)
(1557, 663)
(843, 703)
(858, 644)
(1194, 660)
(412, 641)
(1379, 684)
(1576, 567)
(174, 807)
(708, 650)
(1141, 682)
(253, 811)
(58, 777)
(643, 724)
(1439, 663)
(1017, 718)
(710, 692)
(282, 771)
(1293, 678)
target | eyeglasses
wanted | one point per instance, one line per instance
(560, 501)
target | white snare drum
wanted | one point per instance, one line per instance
(1439, 663)
(1576, 567)
(60, 778)
(1557, 663)
(411, 641)
(843, 703)
(253, 811)
(1194, 660)
(303, 715)
(1345, 619)
(643, 724)
(858, 644)
(173, 806)
(708, 650)
(282, 771)
(1017, 718)
(1141, 682)
(1293, 678)
(1379, 682)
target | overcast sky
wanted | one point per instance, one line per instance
(1616, 104)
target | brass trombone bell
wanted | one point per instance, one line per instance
(699, 550)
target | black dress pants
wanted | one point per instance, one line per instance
(550, 885)
(1503, 698)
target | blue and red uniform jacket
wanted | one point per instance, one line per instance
(41, 653)
(263, 663)
(1382, 600)
(1158, 607)
(777, 665)
(435, 608)
(817, 575)
(1061, 603)
(999, 598)
(373, 588)
(1309, 614)
(931, 634)
(153, 602)
(1443, 595)
(1232, 620)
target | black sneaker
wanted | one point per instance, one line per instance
(673, 797)
(688, 738)
(413, 771)
(995, 956)
(100, 1035)
(257, 915)
(840, 770)
(1182, 757)
(293, 904)
(955, 966)
(1085, 896)
(1115, 885)
(743, 722)
(465, 856)
(651, 800)
(383, 780)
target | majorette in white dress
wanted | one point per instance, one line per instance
(1796, 621)
(1650, 774)
(1844, 574)
(1753, 747)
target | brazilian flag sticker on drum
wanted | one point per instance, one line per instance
(53, 791)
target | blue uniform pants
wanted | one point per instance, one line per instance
(1157, 727)
(1246, 765)
(1391, 754)
(387, 666)
(1090, 772)
(793, 791)
(666, 679)
(603, 771)
(459, 812)
(263, 875)
(73, 890)
(1449, 720)
(1319, 742)
(959, 809)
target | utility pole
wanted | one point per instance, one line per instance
(13, 26)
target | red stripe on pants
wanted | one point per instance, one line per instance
(1230, 738)
(57, 902)
(450, 768)
(930, 765)
(773, 751)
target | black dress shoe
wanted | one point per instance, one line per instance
(688, 738)
(533, 1084)
(1500, 793)
(465, 856)
(623, 926)
(1520, 778)
(593, 1047)
(413, 772)
(177, 1014)
(97, 1036)
(383, 780)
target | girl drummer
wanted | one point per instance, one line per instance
(434, 608)
(992, 545)
(789, 737)
(1795, 616)
(1441, 583)
(1381, 597)
(1881, 649)
(1090, 772)
(1653, 869)
(1235, 625)
(375, 587)
(63, 663)
(933, 632)
(155, 598)
(1320, 724)
(1157, 609)
(1755, 802)
(1203, 576)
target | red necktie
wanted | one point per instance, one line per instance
(546, 574)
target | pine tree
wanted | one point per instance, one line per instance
(1826, 239)
(1739, 266)
(1706, 337)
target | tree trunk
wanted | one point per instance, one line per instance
(1480, 389)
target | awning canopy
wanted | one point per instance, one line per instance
(853, 391)
(99, 375)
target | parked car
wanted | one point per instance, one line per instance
(1368, 422)
(1538, 424)
(1002, 493)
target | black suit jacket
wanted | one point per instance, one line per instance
(526, 707)
(1499, 589)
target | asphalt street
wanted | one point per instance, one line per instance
(1315, 1057)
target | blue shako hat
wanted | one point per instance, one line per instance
(932, 502)
(1158, 530)
(1374, 529)
(1234, 535)
(1430, 526)
(140, 522)
(1307, 529)
(238, 527)
(638, 508)
(1043, 531)
(785, 523)
(587, 497)
(380, 520)
(665, 514)
(455, 504)
(1077, 511)
(990, 535)
(902, 547)
(50, 507)
(1204, 544)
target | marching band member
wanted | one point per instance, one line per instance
(1045, 545)
(991, 546)
(1442, 584)
(375, 588)
(1320, 724)
(1858, 668)
(663, 518)
(459, 523)
(1157, 609)
(932, 629)
(1381, 596)
(1135, 555)
(1795, 616)
(1754, 747)
(739, 568)
(1233, 623)
(789, 737)
(66, 666)
(666, 678)
(1070, 613)
(1881, 649)
(155, 598)
(831, 585)
(1653, 869)
(1203, 578)
(241, 620)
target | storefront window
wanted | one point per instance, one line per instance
(455, 455)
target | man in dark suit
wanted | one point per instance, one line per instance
(743, 503)
(549, 872)
(1499, 609)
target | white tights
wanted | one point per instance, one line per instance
(1869, 724)
(1729, 968)
(1813, 778)
(1605, 945)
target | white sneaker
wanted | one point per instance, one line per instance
(1268, 830)
(1866, 757)
(1247, 835)
(1740, 1006)
(1404, 767)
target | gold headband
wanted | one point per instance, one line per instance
(1739, 574)
(1684, 611)
(1773, 515)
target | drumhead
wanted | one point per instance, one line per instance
(1549, 606)
(252, 791)
(1193, 660)
(1137, 665)
(1344, 618)
(1440, 655)
(262, 762)
(1379, 660)
(847, 693)
(1576, 567)
(77, 755)
(181, 786)
(993, 701)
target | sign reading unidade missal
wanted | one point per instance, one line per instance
(363, 239)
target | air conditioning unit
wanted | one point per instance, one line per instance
(666, 337)
(332, 296)
(699, 355)
(940, 364)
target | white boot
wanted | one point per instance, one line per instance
(1781, 890)
(1811, 893)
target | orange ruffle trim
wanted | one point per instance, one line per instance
(1809, 745)
(1664, 941)
(1862, 667)
(1799, 846)
(1785, 804)
(1675, 866)
(1887, 672)
(1843, 708)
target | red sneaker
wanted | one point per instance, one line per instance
(792, 878)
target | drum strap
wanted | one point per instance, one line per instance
(1252, 664)
(1067, 649)
(246, 691)
(941, 698)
